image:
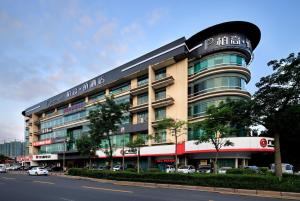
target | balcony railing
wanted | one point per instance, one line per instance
(139, 108)
(163, 81)
(163, 102)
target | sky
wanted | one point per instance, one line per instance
(47, 47)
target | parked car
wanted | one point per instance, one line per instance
(286, 168)
(38, 171)
(204, 169)
(187, 169)
(117, 168)
(170, 169)
(223, 170)
(2, 168)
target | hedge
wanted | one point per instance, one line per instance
(258, 182)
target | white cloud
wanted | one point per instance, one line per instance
(156, 15)
(105, 31)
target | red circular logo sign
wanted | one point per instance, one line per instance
(263, 142)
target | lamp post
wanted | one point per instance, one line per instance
(65, 149)
(123, 149)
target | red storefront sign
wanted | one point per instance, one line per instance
(43, 142)
(165, 161)
(24, 158)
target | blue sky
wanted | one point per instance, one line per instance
(49, 46)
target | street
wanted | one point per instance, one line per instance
(17, 187)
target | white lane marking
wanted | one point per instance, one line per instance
(106, 189)
(65, 199)
(8, 178)
(43, 182)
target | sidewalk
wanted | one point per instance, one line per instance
(231, 191)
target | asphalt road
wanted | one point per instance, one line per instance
(16, 187)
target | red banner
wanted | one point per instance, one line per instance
(43, 142)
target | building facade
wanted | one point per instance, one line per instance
(179, 80)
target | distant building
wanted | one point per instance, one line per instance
(12, 149)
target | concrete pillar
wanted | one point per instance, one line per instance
(236, 165)
(149, 162)
(244, 162)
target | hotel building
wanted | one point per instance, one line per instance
(179, 80)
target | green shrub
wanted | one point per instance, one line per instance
(153, 170)
(131, 170)
(263, 170)
(240, 171)
(244, 181)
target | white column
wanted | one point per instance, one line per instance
(236, 163)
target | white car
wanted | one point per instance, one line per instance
(117, 168)
(223, 170)
(170, 169)
(38, 171)
(187, 169)
(2, 168)
(286, 168)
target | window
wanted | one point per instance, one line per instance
(142, 117)
(160, 94)
(160, 74)
(122, 100)
(142, 99)
(194, 134)
(160, 113)
(97, 96)
(216, 83)
(199, 108)
(120, 89)
(142, 81)
(215, 61)
(116, 140)
(161, 136)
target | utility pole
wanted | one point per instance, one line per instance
(123, 150)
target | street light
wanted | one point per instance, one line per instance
(65, 149)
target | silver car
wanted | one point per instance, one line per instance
(2, 168)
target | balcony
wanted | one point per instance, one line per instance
(162, 81)
(140, 89)
(163, 102)
(37, 122)
(139, 108)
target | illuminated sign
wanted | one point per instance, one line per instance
(43, 142)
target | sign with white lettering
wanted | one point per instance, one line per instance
(221, 42)
(99, 81)
(43, 142)
(45, 157)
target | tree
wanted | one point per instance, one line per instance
(86, 147)
(105, 121)
(175, 126)
(136, 144)
(227, 119)
(275, 95)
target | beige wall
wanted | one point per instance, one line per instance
(178, 91)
